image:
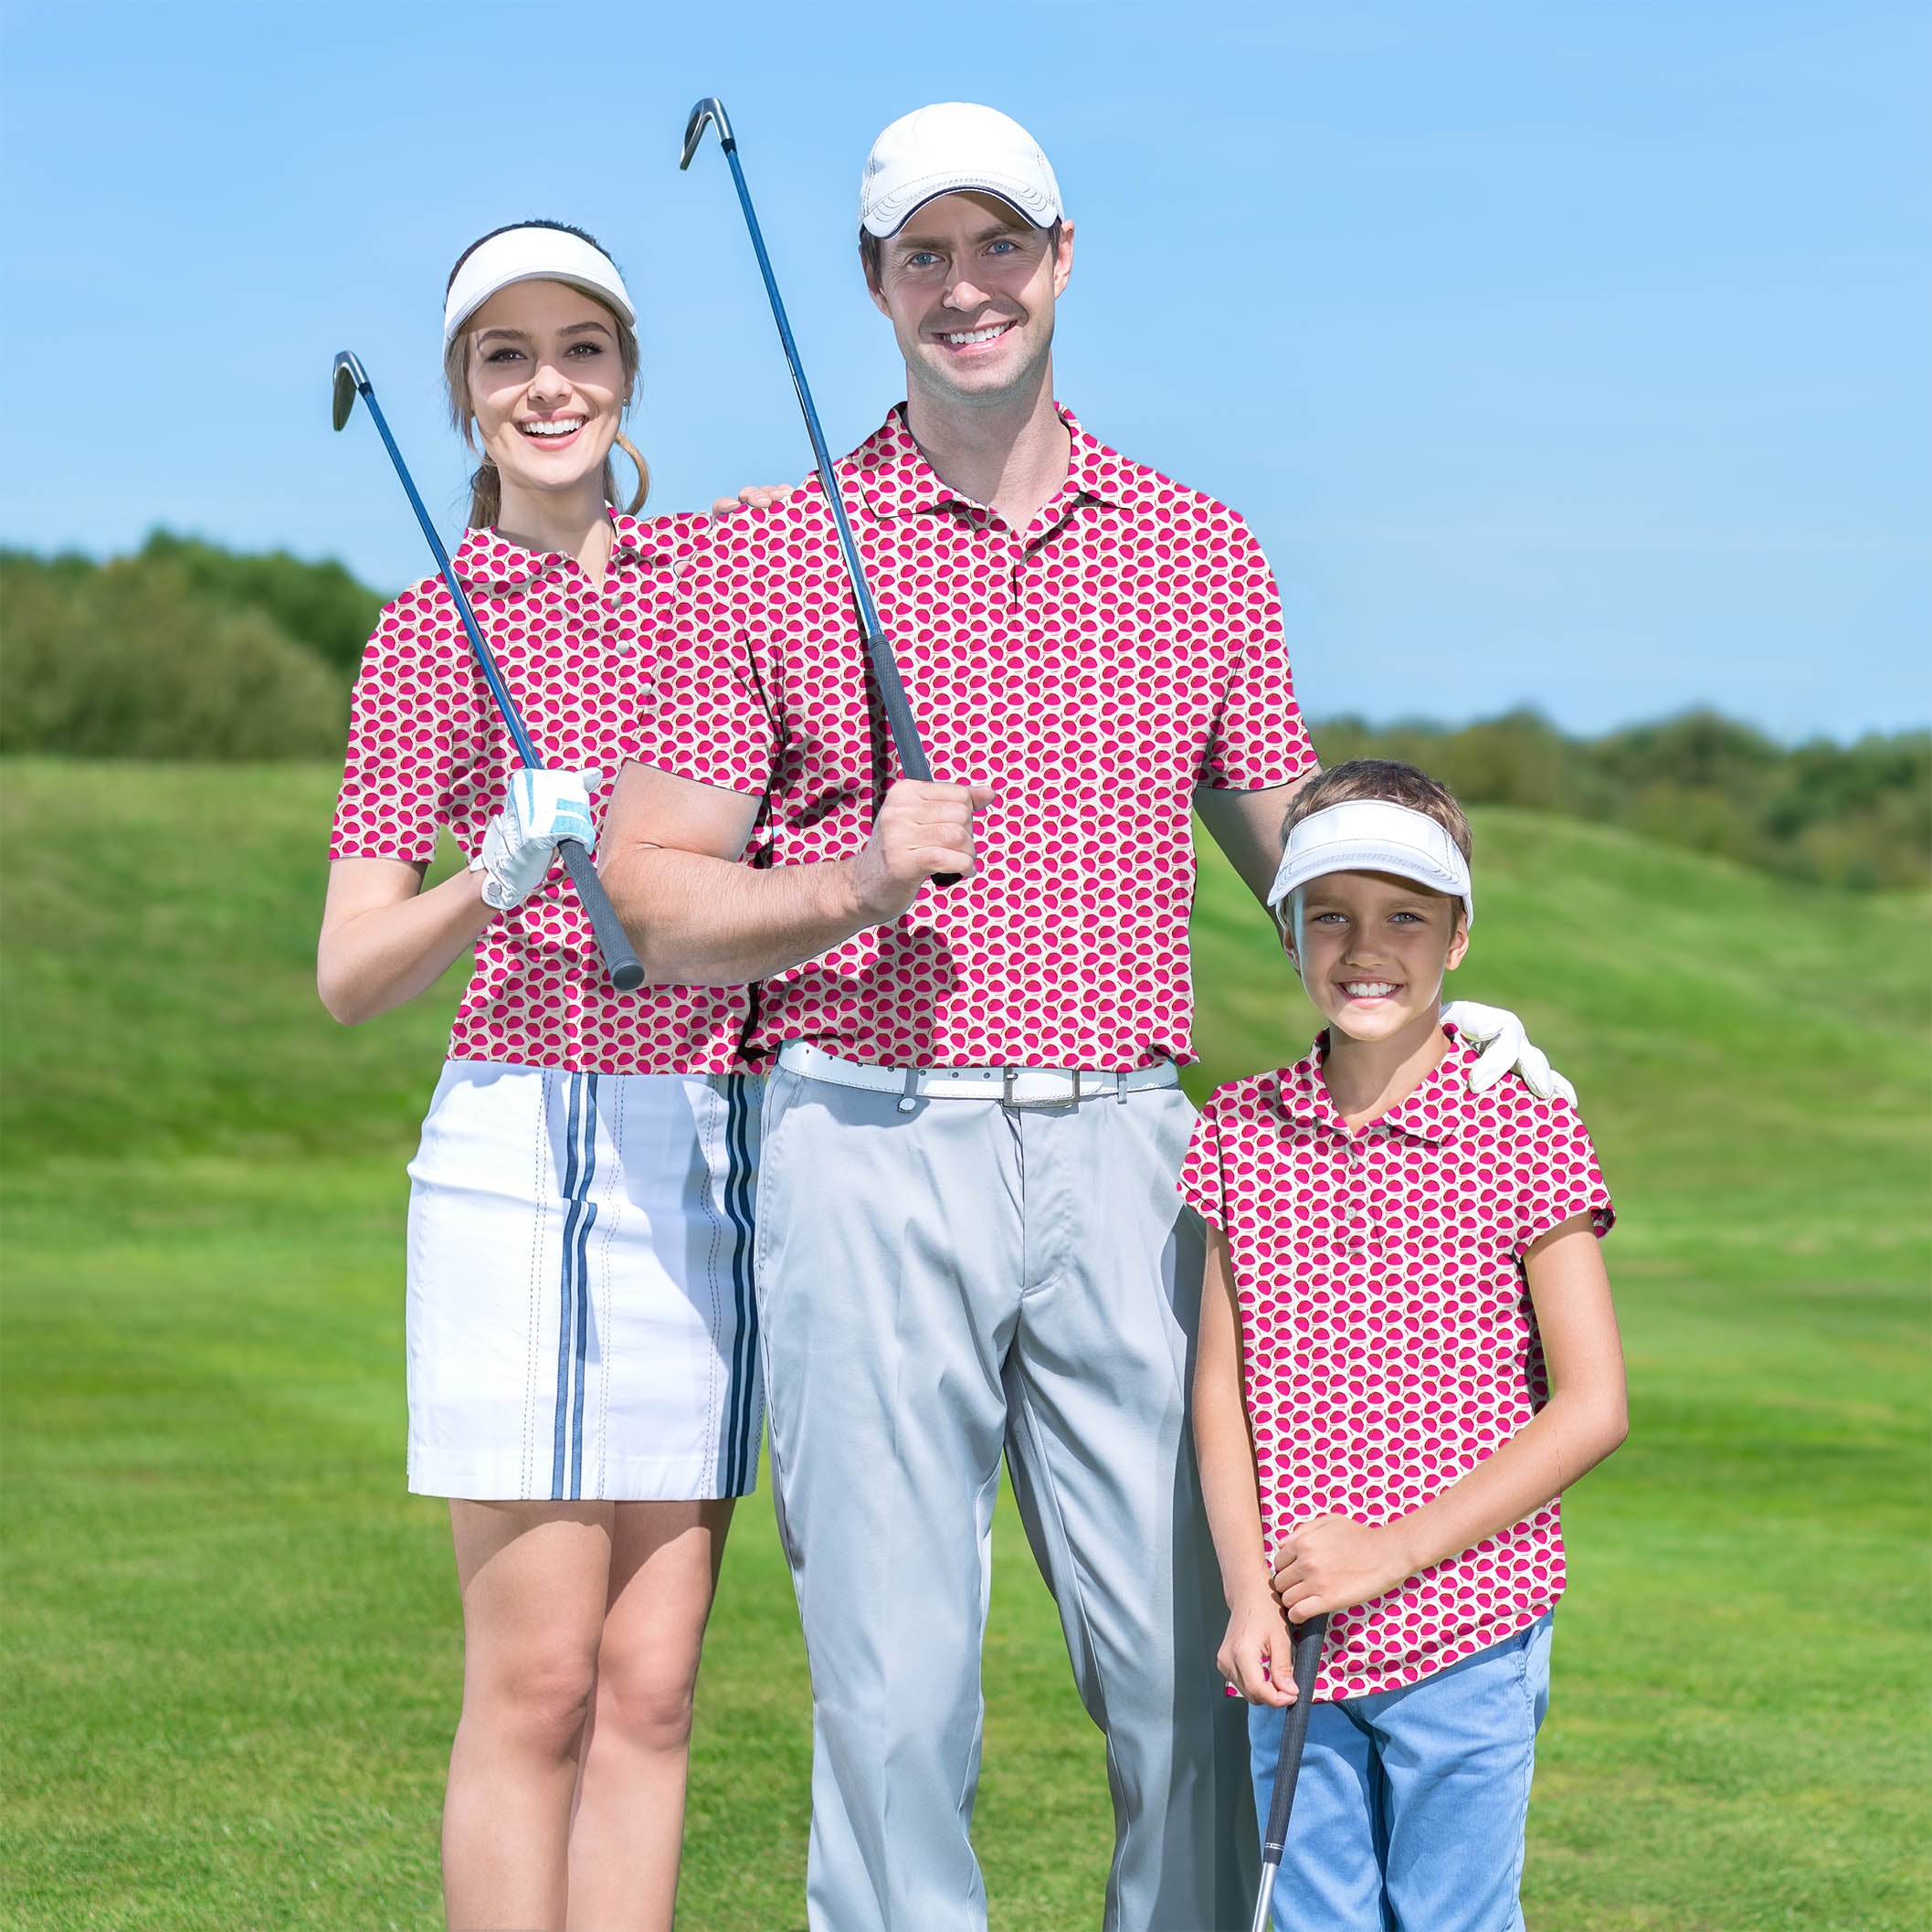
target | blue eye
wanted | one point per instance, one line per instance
(922, 261)
(1005, 247)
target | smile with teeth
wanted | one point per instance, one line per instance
(971, 338)
(1368, 988)
(554, 426)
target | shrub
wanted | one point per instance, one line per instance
(125, 659)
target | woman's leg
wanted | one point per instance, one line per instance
(629, 1824)
(535, 1578)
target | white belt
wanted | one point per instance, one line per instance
(1010, 1086)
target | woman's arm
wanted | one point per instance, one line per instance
(385, 940)
(1226, 1455)
(1331, 1562)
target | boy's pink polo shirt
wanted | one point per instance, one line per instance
(428, 751)
(1387, 1341)
(1093, 669)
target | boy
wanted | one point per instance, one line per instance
(1385, 1414)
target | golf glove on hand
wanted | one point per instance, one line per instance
(1506, 1046)
(539, 808)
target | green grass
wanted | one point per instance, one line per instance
(230, 1640)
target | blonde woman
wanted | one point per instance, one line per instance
(582, 1357)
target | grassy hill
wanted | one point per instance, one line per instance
(230, 1642)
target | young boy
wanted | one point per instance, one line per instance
(1407, 1351)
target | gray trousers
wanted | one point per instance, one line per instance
(937, 1287)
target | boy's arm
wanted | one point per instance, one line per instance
(1331, 1562)
(1221, 1445)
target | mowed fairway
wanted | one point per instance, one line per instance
(231, 1653)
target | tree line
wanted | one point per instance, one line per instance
(188, 650)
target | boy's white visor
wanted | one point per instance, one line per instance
(1373, 835)
(532, 255)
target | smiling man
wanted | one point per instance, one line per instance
(969, 1235)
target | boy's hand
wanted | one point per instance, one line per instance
(1255, 1651)
(1332, 1563)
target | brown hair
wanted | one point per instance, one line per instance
(872, 250)
(1385, 778)
(486, 487)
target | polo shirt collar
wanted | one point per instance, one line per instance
(897, 481)
(495, 567)
(1436, 1111)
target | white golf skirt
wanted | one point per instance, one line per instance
(581, 1322)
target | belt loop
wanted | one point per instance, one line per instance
(1120, 1088)
(910, 1098)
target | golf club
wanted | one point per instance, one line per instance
(621, 959)
(1307, 1645)
(878, 647)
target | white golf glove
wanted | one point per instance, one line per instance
(539, 808)
(1506, 1046)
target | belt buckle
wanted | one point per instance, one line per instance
(1066, 1092)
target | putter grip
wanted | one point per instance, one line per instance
(1307, 1641)
(620, 958)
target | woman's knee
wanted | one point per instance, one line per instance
(539, 1693)
(645, 1691)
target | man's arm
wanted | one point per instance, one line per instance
(1247, 826)
(668, 855)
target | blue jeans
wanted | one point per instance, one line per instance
(1409, 1812)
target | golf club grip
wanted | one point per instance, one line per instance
(899, 720)
(621, 957)
(1307, 1641)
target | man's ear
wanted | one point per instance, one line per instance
(1064, 260)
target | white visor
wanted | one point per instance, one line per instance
(532, 253)
(951, 148)
(1373, 835)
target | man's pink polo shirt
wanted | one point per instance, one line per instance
(1093, 669)
(428, 751)
(1387, 1340)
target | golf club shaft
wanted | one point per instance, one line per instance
(621, 957)
(1307, 1648)
(885, 668)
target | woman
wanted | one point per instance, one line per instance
(582, 1358)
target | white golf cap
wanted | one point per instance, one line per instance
(535, 253)
(1373, 835)
(950, 149)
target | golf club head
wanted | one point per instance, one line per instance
(349, 378)
(710, 108)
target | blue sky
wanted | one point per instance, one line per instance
(1571, 354)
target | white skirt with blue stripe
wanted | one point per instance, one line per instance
(581, 1322)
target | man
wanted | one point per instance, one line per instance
(969, 1237)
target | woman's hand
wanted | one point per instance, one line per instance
(1332, 1563)
(541, 809)
(1257, 1639)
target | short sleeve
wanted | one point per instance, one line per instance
(1259, 738)
(1562, 1177)
(708, 718)
(1202, 1182)
(395, 792)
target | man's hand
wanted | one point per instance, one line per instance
(754, 496)
(920, 830)
(1506, 1046)
(1332, 1563)
(1256, 1657)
